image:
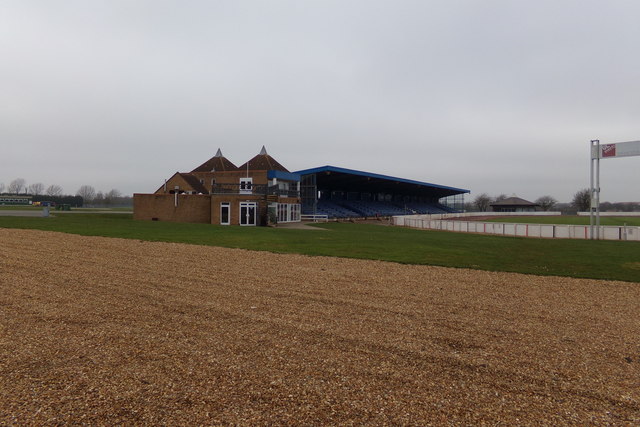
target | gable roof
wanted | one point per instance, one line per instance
(191, 180)
(514, 201)
(194, 182)
(215, 164)
(263, 162)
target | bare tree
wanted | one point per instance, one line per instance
(500, 198)
(99, 199)
(582, 200)
(36, 189)
(17, 185)
(1, 187)
(482, 202)
(112, 196)
(54, 190)
(87, 192)
(546, 202)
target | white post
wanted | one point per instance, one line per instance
(591, 218)
(598, 191)
(593, 155)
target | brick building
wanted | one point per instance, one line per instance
(259, 192)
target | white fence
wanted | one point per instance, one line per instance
(468, 214)
(551, 231)
(315, 218)
(611, 213)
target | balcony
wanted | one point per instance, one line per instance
(255, 189)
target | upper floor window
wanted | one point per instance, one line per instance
(246, 185)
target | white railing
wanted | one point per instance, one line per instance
(315, 218)
(551, 231)
(468, 214)
(611, 213)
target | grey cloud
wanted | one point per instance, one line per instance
(462, 93)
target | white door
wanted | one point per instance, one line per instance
(248, 213)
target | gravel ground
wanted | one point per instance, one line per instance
(106, 331)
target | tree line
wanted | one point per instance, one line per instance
(85, 195)
(482, 202)
(581, 202)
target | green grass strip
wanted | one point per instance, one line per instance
(575, 258)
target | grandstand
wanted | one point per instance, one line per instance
(347, 193)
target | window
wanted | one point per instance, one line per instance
(245, 185)
(288, 212)
(225, 213)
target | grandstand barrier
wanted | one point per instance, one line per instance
(315, 218)
(549, 231)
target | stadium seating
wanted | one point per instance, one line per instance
(372, 209)
(427, 208)
(333, 210)
(363, 209)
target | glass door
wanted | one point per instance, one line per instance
(248, 213)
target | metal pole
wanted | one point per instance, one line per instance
(591, 192)
(598, 192)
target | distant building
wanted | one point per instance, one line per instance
(514, 204)
(7, 199)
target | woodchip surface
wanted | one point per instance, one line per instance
(111, 331)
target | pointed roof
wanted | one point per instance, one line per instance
(216, 163)
(263, 161)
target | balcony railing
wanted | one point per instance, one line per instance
(257, 189)
(282, 192)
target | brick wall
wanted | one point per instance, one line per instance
(191, 207)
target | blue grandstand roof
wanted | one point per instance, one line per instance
(288, 176)
(378, 176)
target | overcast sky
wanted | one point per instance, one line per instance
(490, 96)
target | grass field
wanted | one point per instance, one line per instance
(568, 219)
(575, 258)
(19, 208)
